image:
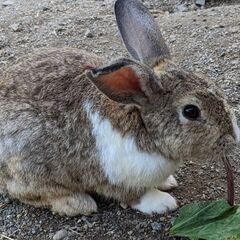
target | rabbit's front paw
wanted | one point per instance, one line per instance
(155, 201)
(169, 183)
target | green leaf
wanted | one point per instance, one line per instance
(208, 220)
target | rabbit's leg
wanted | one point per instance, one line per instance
(75, 204)
(59, 199)
(120, 193)
(155, 201)
(71, 205)
(169, 183)
(145, 200)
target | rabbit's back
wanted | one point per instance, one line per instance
(46, 75)
(42, 123)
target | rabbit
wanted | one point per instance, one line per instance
(72, 125)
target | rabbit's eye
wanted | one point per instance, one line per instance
(191, 112)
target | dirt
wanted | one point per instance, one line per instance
(205, 41)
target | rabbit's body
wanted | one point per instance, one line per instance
(53, 142)
(43, 136)
(69, 127)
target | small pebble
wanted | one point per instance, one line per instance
(123, 205)
(182, 8)
(61, 234)
(89, 34)
(193, 7)
(172, 38)
(200, 2)
(16, 27)
(7, 3)
(45, 8)
(156, 226)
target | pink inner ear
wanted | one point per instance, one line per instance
(89, 66)
(122, 80)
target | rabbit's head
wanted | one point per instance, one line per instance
(185, 116)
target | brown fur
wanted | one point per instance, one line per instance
(48, 151)
(41, 100)
(42, 97)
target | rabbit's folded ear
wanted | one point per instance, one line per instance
(140, 32)
(125, 81)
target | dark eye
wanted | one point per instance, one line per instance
(191, 112)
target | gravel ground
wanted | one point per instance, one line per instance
(205, 41)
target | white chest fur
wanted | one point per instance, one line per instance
(121, 160)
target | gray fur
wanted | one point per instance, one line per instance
(140, 32)
(48, 151)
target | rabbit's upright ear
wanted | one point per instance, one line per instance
(125, 81)
(140, 32)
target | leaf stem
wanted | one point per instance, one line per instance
(230, 181)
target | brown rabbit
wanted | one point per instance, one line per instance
(70, 126)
